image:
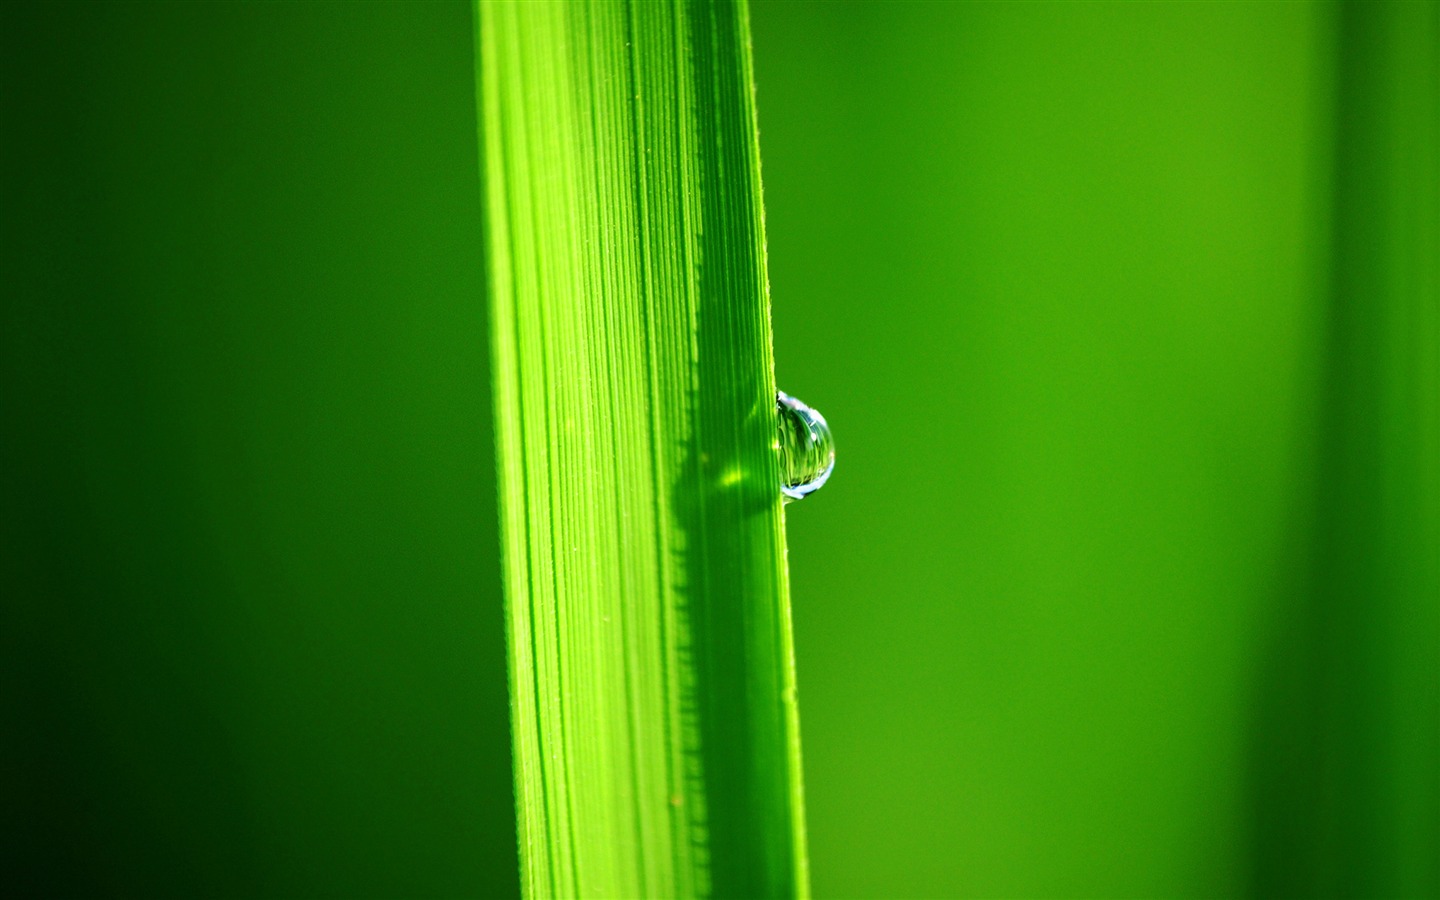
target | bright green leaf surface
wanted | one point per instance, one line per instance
(651, 675)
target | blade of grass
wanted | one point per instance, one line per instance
(1377, 585)
(652, 676)
(1348, 749)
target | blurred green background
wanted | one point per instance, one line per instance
(258, 645)
(1125, 316)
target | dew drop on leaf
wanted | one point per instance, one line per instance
(807, 451)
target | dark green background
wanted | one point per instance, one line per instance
(259, 647)
(1125, 584)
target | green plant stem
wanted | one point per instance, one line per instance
(652, 676)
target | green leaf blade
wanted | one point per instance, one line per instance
(652, 675)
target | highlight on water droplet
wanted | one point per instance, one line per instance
(807, 451)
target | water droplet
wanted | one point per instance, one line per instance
(807, 451)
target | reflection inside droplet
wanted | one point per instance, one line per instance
(807, 451)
